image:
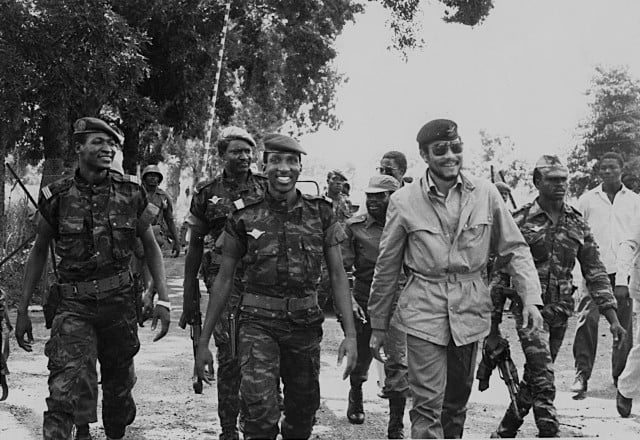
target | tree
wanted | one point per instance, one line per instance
(500, 153)
(613, 125)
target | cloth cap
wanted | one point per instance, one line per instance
(502, 187)
(95, 125)
(381, 183)
(437, 130)
(232, 132)
(280, 143)
(152, 169)
(550, 162)
(333, 173)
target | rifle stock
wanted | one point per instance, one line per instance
(196, 331)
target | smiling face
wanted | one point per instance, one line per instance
(377, 204)
(444, 159)
(237, 157)
(282, 171)
(97, 151)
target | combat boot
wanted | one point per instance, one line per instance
(396, 416)
(229, 434)
(355, 411)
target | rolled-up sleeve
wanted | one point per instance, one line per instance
(595, 274)
(510, 246)
(384, 288)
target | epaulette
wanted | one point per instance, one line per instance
(357, 219)
(125, 178)
(250, 200)
(57, 187)
(204, 183)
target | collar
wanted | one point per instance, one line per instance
(537, 210)
(84, 183)
(600, 189)
(431, 187)
(281, 205)
(370, 221)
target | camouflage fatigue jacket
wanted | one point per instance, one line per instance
(554, 248)
(161, 199)
(95, 225)
(215, 199)
(341, 207)
(282, 249)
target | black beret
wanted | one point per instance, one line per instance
(338, 173)
(95, 125)
(437, 130)
(279, 143)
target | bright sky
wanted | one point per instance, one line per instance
(522, 73)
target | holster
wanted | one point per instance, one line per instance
(51, 305)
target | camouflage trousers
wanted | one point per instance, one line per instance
(270, 350)
(537, 388)
(228, 375)
(82, 333)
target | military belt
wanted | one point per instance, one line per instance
(95, 288)
(449, 277)
(279, 304)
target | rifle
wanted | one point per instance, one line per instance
(496, 353)
(196, 330)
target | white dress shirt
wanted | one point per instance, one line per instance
(612, 224)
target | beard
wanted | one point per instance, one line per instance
(436, 172)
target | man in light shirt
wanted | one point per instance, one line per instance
(441, 230)
(611, 210)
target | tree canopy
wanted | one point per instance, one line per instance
(612, 125)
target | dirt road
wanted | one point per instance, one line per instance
(168, 408)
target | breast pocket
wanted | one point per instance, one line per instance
(261, 259)
(312, 248)
(72, 238)
(123, 232)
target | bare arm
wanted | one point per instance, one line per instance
(222, 288)
(191, 267)
(155, 263)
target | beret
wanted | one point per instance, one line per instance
(232, 132)
(280, 143)
(95, 125)
(548, 161)
(437, 130)
(380, 183)
(152, 169)
(334, 173)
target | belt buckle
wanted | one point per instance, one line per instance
(452, 277)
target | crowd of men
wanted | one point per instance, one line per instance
(432, 261)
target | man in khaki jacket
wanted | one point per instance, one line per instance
(442, 229)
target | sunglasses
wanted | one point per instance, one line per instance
(386, 170)
(440, 149)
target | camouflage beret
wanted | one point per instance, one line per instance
(233, 132)
(437, 130)
(149, 169)
(548, 162)
(333, 173)
(280, 143)
(381, 183)
(95, 125)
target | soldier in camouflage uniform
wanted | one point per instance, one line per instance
(151, 178)
(341, 208)
(360, 251)
(211, 204)
(94, 217)
(557, 234)
(281, 238)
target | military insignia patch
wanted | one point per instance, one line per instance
(256, 233)
(215, 200)
(81, 125)
(239, 204)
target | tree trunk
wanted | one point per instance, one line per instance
(4, 138)
(130, 149)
